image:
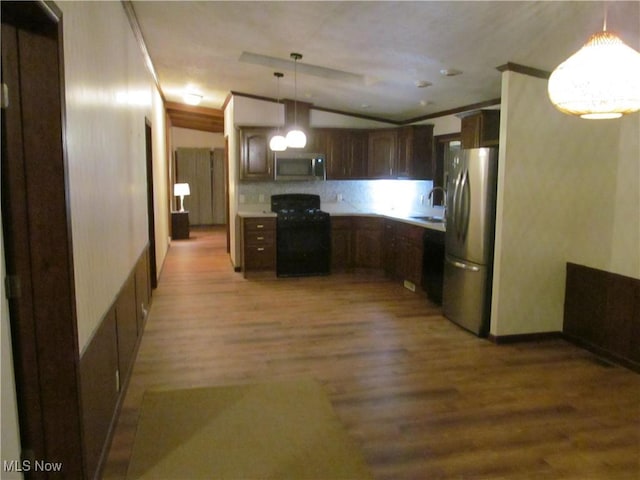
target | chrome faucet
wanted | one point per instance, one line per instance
(444, 196)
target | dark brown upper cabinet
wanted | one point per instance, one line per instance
(345, 151)
(415, 157)
(405, 152)
(480, 128)
(382, 153)
(256, 158)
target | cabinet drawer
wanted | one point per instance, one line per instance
(252, 224)
(259, 238)
(260, 257)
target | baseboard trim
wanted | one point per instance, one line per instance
(524, 337)
(601, 352)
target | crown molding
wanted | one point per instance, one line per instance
(464, 108)
(525, 70)
(137, 33)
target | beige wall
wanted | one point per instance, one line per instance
(231, 133)
(625, 242)
(568, 192)
(109, 93)
(184, 137)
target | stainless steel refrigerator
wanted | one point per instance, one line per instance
(471, 178)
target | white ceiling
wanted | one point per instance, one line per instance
(380, 49)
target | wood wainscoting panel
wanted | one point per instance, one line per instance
(127, 324)
(143, 289)
(602, 313)
(106, 364)
(98, 367)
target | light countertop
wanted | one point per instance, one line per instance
(347, 209)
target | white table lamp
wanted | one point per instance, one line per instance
(180, 190)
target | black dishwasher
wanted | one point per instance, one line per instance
(433, 264)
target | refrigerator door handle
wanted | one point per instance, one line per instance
(463, 266)
(465, 207)
(456, 205)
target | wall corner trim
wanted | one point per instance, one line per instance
(524, 70)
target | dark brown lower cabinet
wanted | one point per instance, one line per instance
(403, 250)
(258, 244)
(409, 256)
(368, 241)
(341, 244)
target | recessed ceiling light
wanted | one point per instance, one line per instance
(191, 98)
(422, 83)
(449, 72)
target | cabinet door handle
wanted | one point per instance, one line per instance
(259, 238)
(261, 249)
(260, 226)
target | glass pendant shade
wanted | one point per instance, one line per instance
(296, 138)
(601, 80)
(278, 143)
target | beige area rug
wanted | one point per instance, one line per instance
(285, 430)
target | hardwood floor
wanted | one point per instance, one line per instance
(423, 398)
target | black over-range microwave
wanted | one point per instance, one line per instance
(300, 166)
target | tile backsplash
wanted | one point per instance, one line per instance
(399, 196)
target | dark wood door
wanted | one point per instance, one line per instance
(382, 153)
(38, 253)
(153, 271)
(404, 158)
(368, 242)
(357, 152)
(256, 158)
(337, 154)
(341, 243)
(415, 153)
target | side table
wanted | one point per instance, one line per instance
(179, 225)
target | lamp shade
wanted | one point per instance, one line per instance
(601, 80)
(278, 143)
(180, 189)
(296, 138)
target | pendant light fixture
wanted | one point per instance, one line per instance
(296, 137)
(599, 81)
(278, 143)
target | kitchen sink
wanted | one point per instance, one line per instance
(431, 219)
